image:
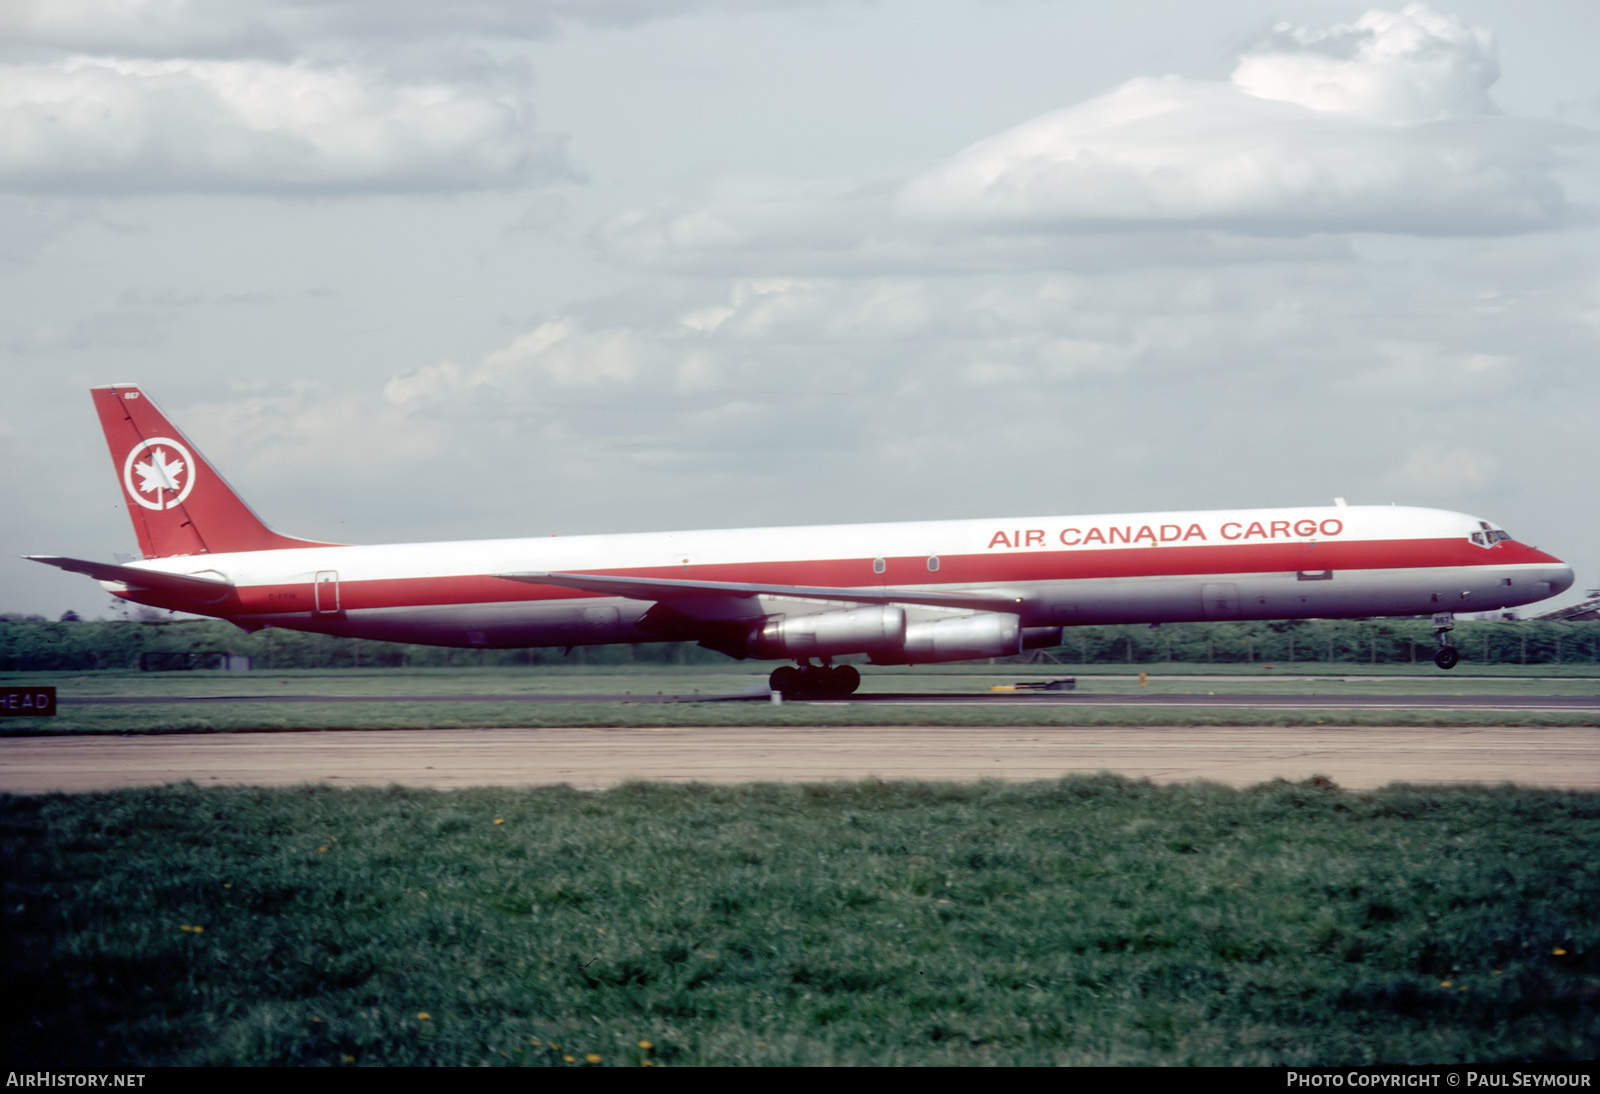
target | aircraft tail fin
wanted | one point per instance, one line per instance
(178, 503)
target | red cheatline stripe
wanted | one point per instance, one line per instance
(954, 570)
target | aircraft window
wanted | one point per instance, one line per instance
(1477, 537)
(933, 563)
(879, 565)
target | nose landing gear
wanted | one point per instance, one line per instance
(808, 681)
(1447, 655)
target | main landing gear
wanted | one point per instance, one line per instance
(1448, 655)
(806, 680)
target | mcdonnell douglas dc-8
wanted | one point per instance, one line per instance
(906, 593)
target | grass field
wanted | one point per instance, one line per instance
(1091, 920)
(387, 688)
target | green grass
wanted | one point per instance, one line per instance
(1085, 921)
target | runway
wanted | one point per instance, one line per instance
(1354, 757)
(1244, 700)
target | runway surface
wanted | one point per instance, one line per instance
(1354, 757)
(1249, 701)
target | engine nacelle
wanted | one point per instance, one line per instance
(982, 634)
(823, 634)
(1041, 638)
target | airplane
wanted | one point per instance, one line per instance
(901, 594)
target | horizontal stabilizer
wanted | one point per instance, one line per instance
(670, 589)
(205, 590)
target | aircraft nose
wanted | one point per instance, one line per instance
(1560, 579)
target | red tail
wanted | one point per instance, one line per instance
(178, 503)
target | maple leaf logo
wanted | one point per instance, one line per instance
(165, 471)
(159, 474)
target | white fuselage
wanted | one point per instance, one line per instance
(1113, 568)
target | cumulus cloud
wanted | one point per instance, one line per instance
(713, 397)
(1414, 65)
(1185, 153)
(817, 229)
(105, 125)
(1055, 390)
(781, 362)
(276, 96)
(1383, 125)
(279, 28)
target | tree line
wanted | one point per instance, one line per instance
(28, 645)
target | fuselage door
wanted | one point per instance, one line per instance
(326, 591)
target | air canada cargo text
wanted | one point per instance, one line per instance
(1233, 531)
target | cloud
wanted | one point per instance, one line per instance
(281, 28)
(111, 97)
(1383, 125)
(114, 97)
(755, 227)
(735, 357)
(1410, 66)
(738, 212)
(97, 125)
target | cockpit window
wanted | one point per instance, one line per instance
(1489, 537)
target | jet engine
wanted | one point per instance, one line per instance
(824, 634)
(888, 637)
(982, 634)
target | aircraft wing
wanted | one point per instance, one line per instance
(667, 590)
(202, 589)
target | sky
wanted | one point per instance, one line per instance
(414, 270)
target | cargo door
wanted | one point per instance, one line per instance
(1313, 562)
(325, 592)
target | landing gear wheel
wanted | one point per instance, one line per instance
(789, 680)
(1447, 656)
(814, 681)
(843, 680)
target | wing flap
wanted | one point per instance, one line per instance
(669, 590)
(205, 590)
